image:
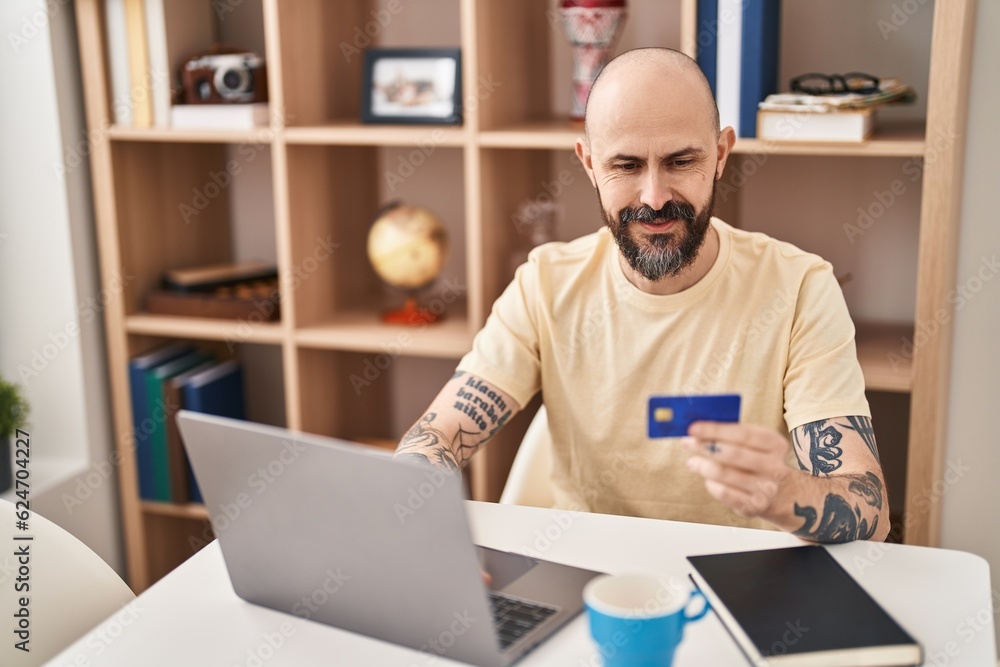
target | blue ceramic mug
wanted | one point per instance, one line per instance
(638, 620)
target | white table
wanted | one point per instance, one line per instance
(192, 616)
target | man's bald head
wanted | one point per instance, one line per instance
(650, 72)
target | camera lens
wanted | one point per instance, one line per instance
(234, 82)
(231, 80)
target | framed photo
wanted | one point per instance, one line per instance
(412, 86)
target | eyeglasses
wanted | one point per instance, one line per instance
(835, 84)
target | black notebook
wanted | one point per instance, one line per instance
(798, 606)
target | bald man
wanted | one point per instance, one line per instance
(668, 300)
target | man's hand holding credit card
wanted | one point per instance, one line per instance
(743, 465)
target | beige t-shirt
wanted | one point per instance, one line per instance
(768, 322)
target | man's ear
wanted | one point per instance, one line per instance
(586, 159)
(727, 138)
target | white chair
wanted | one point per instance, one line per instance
(530, 478)
(71, 588)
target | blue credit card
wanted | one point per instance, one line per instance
(671, 416)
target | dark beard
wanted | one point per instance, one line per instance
(663, 254)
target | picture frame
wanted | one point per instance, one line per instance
(412, 86)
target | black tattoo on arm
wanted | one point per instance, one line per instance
(430, 441)
(863, 427)
(869, 487)
(824, 447)
(838, 523)
(487, 410)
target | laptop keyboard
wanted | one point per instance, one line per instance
(514, 618)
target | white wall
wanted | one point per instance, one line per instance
(970, 521)
(51, 335)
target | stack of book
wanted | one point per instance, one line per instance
(247, 290)
(837, 118)
(167, 379)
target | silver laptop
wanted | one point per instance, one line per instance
(349, 536)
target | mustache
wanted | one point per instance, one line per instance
(671, 210)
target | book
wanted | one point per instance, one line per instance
(759, 46)
(142, 421)
(799, 606)
(176, 30)
(728, 62)
(140, 94)
(707, 43)
(156, 378)
(747, 38)
(219, 116)
(214, 391)
(180, 490)
(121, 101)
(206, 278)
(852, 126)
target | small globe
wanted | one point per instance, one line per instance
(407, 246)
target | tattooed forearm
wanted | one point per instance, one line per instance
(487, 410)
(869, 487)
(423, 440)
(840, 495)
(838, 523)
(863, 427)
(823, 440)
(465, 415)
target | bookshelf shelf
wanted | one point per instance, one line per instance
(325, 177)
(554, 135)
(364, 332)
(194, 511)
(205, 329)
(260, 135)
(353, 133)
(894, 140)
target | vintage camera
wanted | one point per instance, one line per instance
(224, 78)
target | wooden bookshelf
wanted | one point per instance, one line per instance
(324, 171)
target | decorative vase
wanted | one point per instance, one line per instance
(592, 28)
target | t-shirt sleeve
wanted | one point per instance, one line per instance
(823, 378)
(505, 352)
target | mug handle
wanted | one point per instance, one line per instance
(704, 607)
